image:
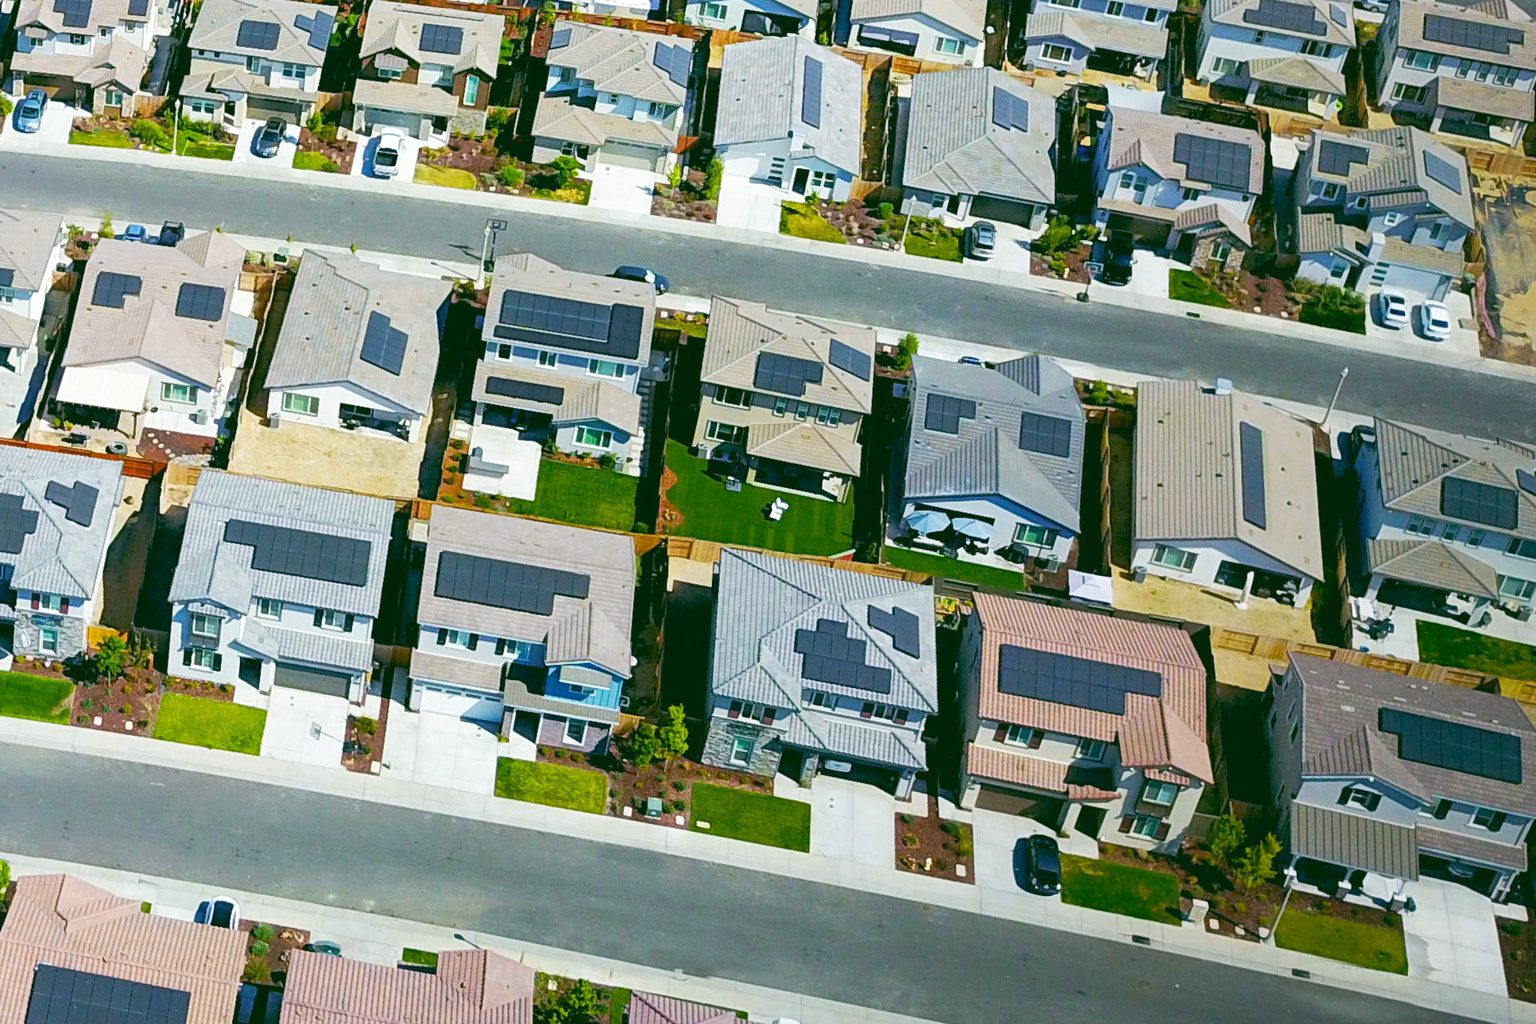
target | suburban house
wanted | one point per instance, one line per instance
(1120, 37)
(565, 361)
(1386, 207)
(994, 462)
(819, 669)
(613, 96)
(31, 250)
(1377, 773)
(358, 348)
(56, 513)
(784, 397)
(1179, 184)
(1467, 69)
(72, 952)
(1226, 492)
(943, 31)
(1279, 53)
(978, 143)
(468, 986)
(790, 114)
(525, 626)
(427, 70)
(1447, 522)
(1075, 716)
(91, 55)
(650, 1008)
(760, 17)
(278, 584)
(255, 59)
(161, 334)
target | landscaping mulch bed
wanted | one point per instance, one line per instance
(338, 151)
(364, 746)
(860, 226)
(548, 989)
(271, 967)
(683, 204)
(629, 786)
(102, 123)
(931, 846)
(482, 158)
(1230, 908)
(124, 705)
(1077, 265)
(477, 156)
(34, 667)
(195, 688)
(1269, 296)
(1517, 940)
(670, 517)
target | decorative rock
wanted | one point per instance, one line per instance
(1213, 924)
(1239, 930)
(682, 820)
(960, 870)
(96, 720)
(703, 825)
(1263, 931)
(128, 726)
(375, 767)
(629, 812)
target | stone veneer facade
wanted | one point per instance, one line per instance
(721, 741)
(71, 634)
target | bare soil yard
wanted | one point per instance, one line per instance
(321, 457)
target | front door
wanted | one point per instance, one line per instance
(802, 179)
(250, 671)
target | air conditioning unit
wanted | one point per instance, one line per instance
(274, 419)
(200, 416)
(1223, 386)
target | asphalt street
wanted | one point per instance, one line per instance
(672, 913)
(1105, 335)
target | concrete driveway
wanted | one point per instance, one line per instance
(627, 189)
(441, 750)
(1463, 339)
(749, 204)
(996, 834)
(58, 119)
(1452, 937)
(362, 163)
(285, 152)
(853, 821)
(305, 727)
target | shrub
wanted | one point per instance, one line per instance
(640, 527)
(260, 949)
(675, 177)
(367, 726)
(909, 839)
(885, 211)
(497, 118)
(906, 348)
(1333, 307)
(512, 177)
(5, 105)
(111, 657)
(907, 819)
(679, 784)
(482, 501)
(607, 460)
(1225, 837)
(965, 846)
(564, 169)
(150, 133)
(712, 179)
(1058, 264)
(262, 932)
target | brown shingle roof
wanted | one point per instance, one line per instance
(1034, 772)
(471, 986)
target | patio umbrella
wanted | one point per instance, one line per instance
(973, 528)
(927, 522)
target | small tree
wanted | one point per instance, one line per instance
(906, 348)
(673, 734)
(1257, 863)
(111, 657)
(643, 745)
(1225, 837)
(106, 225)
(579, 1005)
(564, 168)
(512, 177)
(712, 179)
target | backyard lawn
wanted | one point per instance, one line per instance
(448, 177)
(35, 697)
(1190, 287)
(710, 512)
(218, 724)
(753, 817)
(552, 785)
(1119, 888)
(581, 495)
(1351, 942)
(110, 139)
(953, 568)
(1461, 648)
(800, 220)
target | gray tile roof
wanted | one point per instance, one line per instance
(1143, 40)
(212, 570)
(954, 146)
(1482, 98)
(1322, 232)
(396, 27)
(59, 556)
(1461, 845)
(1298, 72)
(526, 272)
(100, 14)
(966, 17)
(218, 29)
(558, 117)
(1394, 171)
(27, 241)
(1148, 138)
(985, 457)
(1415, 460)
(404, 98)
(1433, 563)
(334, 297)
(1411, 15)
(761, 91)
(353, 651)
(739, 330)
(836, 734)
(593, 399)
(620, 61)
(1337, 836)
(1333, 21)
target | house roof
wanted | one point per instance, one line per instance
(620, 61)
(563, 118)
(986, 456)
(955, 145)
(967, 17)
(99, 14)
(1137, 38)
(396, 28)
(146, 326)
(739, 331)
(1482, 97)
(582, 399)
(1322, 232)
(1034, 772)
(762, 96)
(1396, 169)
(404, 97)
(1298, 72)
(337, 304)
(58, 554)
(1421, 25)
(1331, 21)
(1213, 217)
(215, 570)
(1433, 563)
(595, 628)
(1338, 835)
(650, 1008)
(805, 444)
(1193, 480)
(470, 986)
(1149, 139)
(298, 30)
(120, 62)
(526, 273)
(1416, 461)
(27, 241)
(1448, 262)
(70, 924)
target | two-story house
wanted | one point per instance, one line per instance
(471, 986)
(759, 17)
(1467, 69)
(1446, 521)
(160, 334)
(524, 618)
(787, 395)
(1075, 717)
(1225, 492)
(92, 55)
(1119, 37)
(1391, 207)
(994, 462)
(790, 114)
(1379, 773)
(31, 250)
(1279, 53)
(942, 31)
(426, 69)
(278, 585)
(613, 96)
(818, 669)
(977, 143)
(255, 59)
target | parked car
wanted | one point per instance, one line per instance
(1119, 256)
(29, 112)
(326, 947)
(1391, 308)
(980, 240)
(269, 138)
(172, 232)
(1374, 6)
(970, 361)
(1037, 865)
(134, 233)
(1434, 320)
(220, 912)
(386, 153)
(646, 275)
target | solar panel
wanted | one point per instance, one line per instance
(1063, 679)
(829, 655)
(1339, 158)
(846, 357)
(1286, 16)
(1213, 161)
(1478, 503)
(7, 277)
(810, 93)
(320, 31)
(1048, 435)
(110, 288)
(676, 61)
(1339, 14)
(1454, 745)
(77, 13)
(305, 553)
(1250, 442)
(1008, 110)
(63, 996)
(78, 500)
(258, 35)
(945, 413)
(571, 323)
(525, 390)
(1442, 170)
(901, 626)
(16, 524)
(1527, 480)
(499, 584)
(785, 375)
(560, 39)
(442, 38)
(200, 302)
(138, 8)
(383, 344)
(1475, 35)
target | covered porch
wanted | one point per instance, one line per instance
(801, 459)
(1297, 84)
(1477, 110)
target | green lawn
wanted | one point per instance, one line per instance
(753, 817)
(1351, 942)
(1460, 648)
(1189, 287)
(110, 139)
(944, 245)
(448, 177)
(581, 495)
(219, 724)
(953, 568)
(1119, 888)
(204, 148)
(321, 162)
(710, 512)
(35, 697)
(553, 785)
(800, 220)
(419, 957)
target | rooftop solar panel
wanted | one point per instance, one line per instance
(673, 61)
(258, 35)
(7, 277)
(1442, 170)
(383, 344)
(560, 39)
(1063, 679)
(320, 31)
(570, 323)
(1250, 442)
(78, 500)
(1339, 158)
(1048, 435)
(846, 357)
(1454, 745)
(499, 584)
(944, 413)
(1213, 161)
(1008, 110)
(304, 553)
(810, 93)
(110, 288)
(785, 375)
(525, 390)
(138, 8)
(1526, 480)
(1478, 503)
(1474, 35)
(77, 13)
(442, 38)
(829, 655)
(16, 524)
(63, 996)
(901, 626)
(200, 302)
(1286, 16)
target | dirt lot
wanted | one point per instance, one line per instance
(1509, 237)
(321, 457)
(1179, 600)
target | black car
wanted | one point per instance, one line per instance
(1119, 249)
(645, 275)
(172, 232)
(1037, 865)
(269, 137)
(980, 240)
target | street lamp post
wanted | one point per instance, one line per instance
(1335, 399)
(175, 126)
(487, 247)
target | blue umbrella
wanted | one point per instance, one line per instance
(973, 528)
(927, 522)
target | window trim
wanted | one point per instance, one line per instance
(713, 429)
(1187, 560)
(196, 619)
(740, 756)
(580, 738)
(310, 403)
(1089, 749)
(545, 358)
(1153, 790)
(732, 398)
(1145, 825)
(598, 368)
(269, 608)
(606, 437)
(1495, 818)
(1055, 53)
(169, 391)
(48, 640)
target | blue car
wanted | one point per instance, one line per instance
(134, 233)
(29, 112)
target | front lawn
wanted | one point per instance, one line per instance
(218, 724)
(552, 785)
(448, 177)
(1351, 942)
(1119, 888)
(752, 817)
(104, 137)
(321, 162)
(935, 240)
(800, 220)
(1186, 286)
(36, 697)
(1332, 307)
(953, 568)
(710, 512)
(581, 495)
(1459, 648)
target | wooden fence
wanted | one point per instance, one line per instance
(1278, 649)
(139, 469)
(1506, 164)
(709, 551)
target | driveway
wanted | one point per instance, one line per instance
(1452, 937)
(1463, 339)
(305, 727)
(440, 750)
(285, 152)
(996, 834)
(58, 119)
(853, 821)
(749, 204)
(362, 164)
(627, 189)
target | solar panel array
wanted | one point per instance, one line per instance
(321, 29)
(77, 500)
(1213, 161)
(810, 93)
(1474, 35)
(785, 375)
(676, 62)
(571, 323)
(62, 996)
(1286, 16)
(442, 38)
(1008, 110)
(829, 655)
(7, 277)
(200, 302)
(138, 8)
(499, 584)
(1454, 745)
(1442, 170)
(1478, 503)
(1048, 435)
(901, 626)
(1250, 444)
(1339, 157)
(1527, 480)
(560, 38)
(110, 288)
(525, 390)
(77, 13)
(846, 357)
(945, 413)
(1064, 679)
(258, 35)
(383, 344)
(16, 524)
(305, 553)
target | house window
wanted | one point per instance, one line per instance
(1174, 558)
(1450, 533)
(945, 44)
(576, 149)
(1505, 76)
(1421, 61)
(575, 732)
(1258, 39)
(1475, 538)
(1314, 48)
(301, 405)
(47, 602)
(657, 110)
(1191, 194)
(1391, 218)
(834, 417)
(886, 712)
(823, 179)
(178, 394)
(202, 657)
(822, 414)
(726, 433)
(1405, 93)
(114, 97)
(1522, 548)
(1224, 66)
(1151, 15)
(1516, 588)
(1358, 796)
(545, 358)
(1421, 526)
(105, 31)
(738, 398)
(389, 73)
(1090, 750)
(1221, 252)
(1439, 808)
(780, 406)
(293, 70)
(1327, 190)
(1023, 736)
(457, 638)
(253, 65)
(471, 90)
(1488, 818)
(354, 412)
(503, 351)
(341, 622)
(1146, 825)
(1437, 230)
(1359, 202)
(48, 640)
(1067, 3)
(78, 39)
(714, 12)
(1034, 536)
(206, 626)
(1160, 793)
(266, 608)
(822, 700)
(605, 368)
(591, 437)
(1055, 52)
(741, 750)
(1114, 8)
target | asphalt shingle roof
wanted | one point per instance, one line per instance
(966, 17)
(1148, 138)
(620, 61)
(740, 330)
(396, 27)
(218, 29)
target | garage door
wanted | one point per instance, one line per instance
(869, 774)
(411, 123)
(620, 155)
(315, 680)
(1004, 210)
(260, 108)
(1005, 801)
(475, 705)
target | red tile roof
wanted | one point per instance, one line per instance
(470, 987)
(1034, 772)
(649, 1008)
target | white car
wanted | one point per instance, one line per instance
(386, 153)
(1434, 320)
(1392, 308)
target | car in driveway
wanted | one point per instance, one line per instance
(171, 232)
(134, 233)
(269, 138)
(29, 112)
(1433, 320)
(970, 361)
(386, 153)
(1391, 308)
(219, 912)
(1119, 256)
(644, 275)
(1037, 865)
(979, 241)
